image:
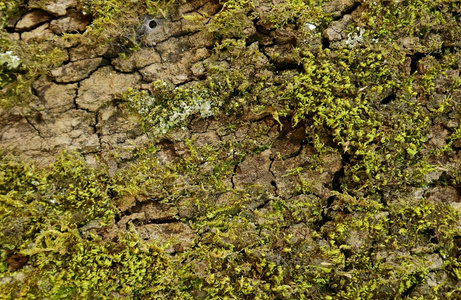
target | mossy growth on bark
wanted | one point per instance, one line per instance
(373, 98)
(112, 28)
(35, 59)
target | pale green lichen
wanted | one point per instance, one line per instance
(373, 238)
(163, 114)
(9, 60)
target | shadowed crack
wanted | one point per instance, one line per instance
(232, 177)
(33, 126)
(140, 222)
(337, 177)
(273, 182)
(96, 130)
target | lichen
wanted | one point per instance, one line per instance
(377, 233)
(164, 107)
(36, 60)
(8, 64)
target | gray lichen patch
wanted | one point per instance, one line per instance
(289, 150)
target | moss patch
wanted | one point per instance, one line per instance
(385, 98)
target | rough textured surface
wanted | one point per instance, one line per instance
(230, 150)
(41, 33)
(136, 61)
(71, 23)
(92, 95)
(54, 7)
(31, 20)
(75, 71)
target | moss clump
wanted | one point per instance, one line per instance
(365, 101)
(68, 266)
(232, 21)
(183, 181)
(376, 234)
(43, 214)
(112, 29)
(66, 197)
(114, 22)
(289, 248)
(340, 94)
(428, 21)
(392, 246)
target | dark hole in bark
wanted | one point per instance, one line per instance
(388, 99)
(152, 24)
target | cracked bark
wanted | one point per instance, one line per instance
(96, 129)
(33, 126)
(54, 78)
(273, 182)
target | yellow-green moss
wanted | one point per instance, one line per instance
(35, 59)
(371, 239)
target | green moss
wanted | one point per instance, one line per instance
(67, 266)
(35, 59)
(232, 23)
(67, 196)
(7, 9)
(341, 91)
(183, 178)
(296, 12)
(409, 18)
(339, 94)
(370, 238)
(239, 252)
(114, 22)
(42, 215)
